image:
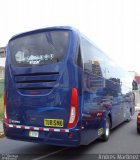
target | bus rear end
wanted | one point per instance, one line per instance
(41, 97)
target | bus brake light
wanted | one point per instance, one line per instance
(73, 116)
(5, 112)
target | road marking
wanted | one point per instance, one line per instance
(50, 154)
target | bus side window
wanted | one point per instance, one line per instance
(79, 58)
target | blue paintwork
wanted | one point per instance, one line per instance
(30, 107)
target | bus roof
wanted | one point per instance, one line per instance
(44, 29)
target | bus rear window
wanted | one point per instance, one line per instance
(39, 49)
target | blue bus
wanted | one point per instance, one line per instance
(60, 89)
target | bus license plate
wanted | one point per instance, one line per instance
(33, 134)
(53, 122)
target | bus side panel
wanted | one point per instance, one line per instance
(105, 90)
(94, 110)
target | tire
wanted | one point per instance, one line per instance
(138, 130)
(106, 135)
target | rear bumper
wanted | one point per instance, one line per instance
(50, 136)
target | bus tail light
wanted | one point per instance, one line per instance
(73, 116)
(5, 110)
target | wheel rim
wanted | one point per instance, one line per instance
(107, 128)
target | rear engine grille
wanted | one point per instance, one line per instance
(36, 81)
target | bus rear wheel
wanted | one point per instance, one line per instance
(106, 134)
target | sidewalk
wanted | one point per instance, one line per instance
(1, 130)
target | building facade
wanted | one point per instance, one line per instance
(2, 52)
(136, 78)
(1, 72)
(2, 62)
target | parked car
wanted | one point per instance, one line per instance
(138, 123)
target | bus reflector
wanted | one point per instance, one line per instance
(73, 116)
(5, 112)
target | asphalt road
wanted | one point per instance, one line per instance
(123, 140)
